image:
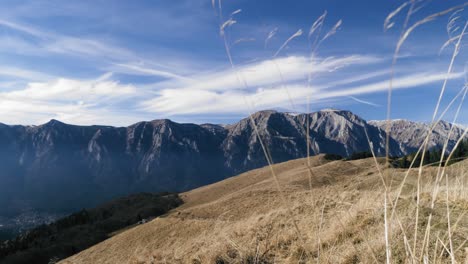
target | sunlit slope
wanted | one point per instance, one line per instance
(335, 216)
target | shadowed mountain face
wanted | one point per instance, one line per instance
(60, 167)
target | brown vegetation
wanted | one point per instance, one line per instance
(340, 220)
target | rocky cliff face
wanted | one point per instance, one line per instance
(411, 135)
(348, 132)
(57, 166)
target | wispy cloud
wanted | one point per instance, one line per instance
(363, 101)
(23, 74)
(25, 29)
(268, 72)
(196, 100)
(146, 71)
(84, 47)
(405, 82)
(224, 90)
(76, 46)
(361, 77)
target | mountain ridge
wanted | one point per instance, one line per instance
(62, 167)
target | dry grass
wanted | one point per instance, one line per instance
(244, 220)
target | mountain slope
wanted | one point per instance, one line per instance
(244, 219)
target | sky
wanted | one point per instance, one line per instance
(197, 61)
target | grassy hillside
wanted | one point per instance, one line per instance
(333, 215)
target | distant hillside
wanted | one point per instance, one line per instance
(58, 167)
(85, 228)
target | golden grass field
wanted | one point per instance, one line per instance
(335, 216)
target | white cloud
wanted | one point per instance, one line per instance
(77, 101)
(39, 112)
(71, 90)
(190, 101)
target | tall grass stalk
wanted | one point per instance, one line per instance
(266, 152)
(449, 227)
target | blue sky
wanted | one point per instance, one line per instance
(120, 62)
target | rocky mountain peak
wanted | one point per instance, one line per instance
(163, 122)
(54, 123)
(343, 115)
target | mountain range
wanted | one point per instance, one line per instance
(62, 167)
